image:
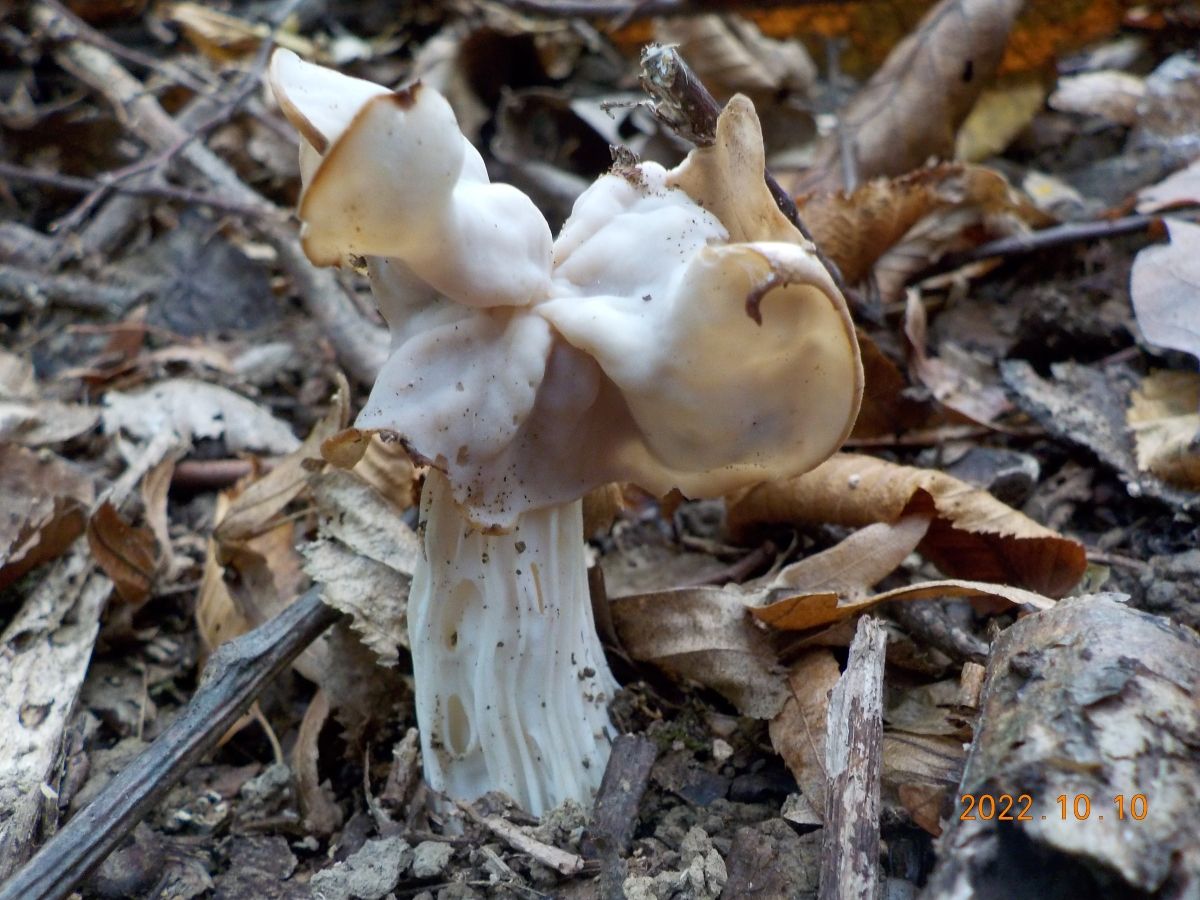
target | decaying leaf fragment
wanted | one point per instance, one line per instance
(128, 554)
(705, 634)
(43, 509)
(1164, 416)
(897, 227)
(912, 106)
(972, 534)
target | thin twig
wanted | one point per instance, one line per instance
(1057, 236)
(97, 186)
(235, 675)
(35, 288)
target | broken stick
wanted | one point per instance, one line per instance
(853, 763)
(235, 675)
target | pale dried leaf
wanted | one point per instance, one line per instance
(359, 516)
(1178, 189)
(1108, 94)
(1165, 289)
(155, 487)
(1164, 416)
(911, 108)
(43, 422)
(798, 731)
(17, 380)
(375, 595)
(707, 635)
(973, 534)
(854, 565)
(43, 509)
(1001, 112)
(195, 409)
(812, 610)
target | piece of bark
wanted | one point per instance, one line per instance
(854, 762)
(615, 814)
(44, 656)
(235, 675)
(1089, 699)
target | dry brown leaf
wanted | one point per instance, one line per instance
(127, 554)
(707, 635)
(920, 773)
(43, 509)
(225, 38)
(973, 534)
(887, 409)
(898, 227)
(912, 106)
(155, 487)
(854, 565)
(1164, 416)
(811, 610)
(798, 732)
(255, 507)
(39, 423)
(1165, 289)
(321, 813)
(955, 386)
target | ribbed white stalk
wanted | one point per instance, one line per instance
(511, 681)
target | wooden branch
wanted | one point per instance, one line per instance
(361, 346)
(35, 288)
(1093, 702)
(235, 675)
(685, 105)
(615, 815)
(853, 763)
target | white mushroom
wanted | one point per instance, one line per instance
(680, 333)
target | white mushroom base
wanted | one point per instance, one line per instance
(511, 681)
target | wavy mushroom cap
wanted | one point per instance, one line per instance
(680, 333)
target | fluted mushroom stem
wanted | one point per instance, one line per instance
(511, 681)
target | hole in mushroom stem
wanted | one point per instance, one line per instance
(458, 726)
(454, 611)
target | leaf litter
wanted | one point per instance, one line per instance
(729, 620)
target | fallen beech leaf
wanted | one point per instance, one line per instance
(124, 552)
(887, 409)
(911, 108)
(973, 534)
(707, 635)
(853, 565)
(1164, 287)
(1164, 416)
(196, 409)
(898, 227)
(811, 610)
(155, 487)
(43, 503)
(798, 731)
(956, 387)
(1108, 94)
(43, 422)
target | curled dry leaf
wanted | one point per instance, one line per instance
(798, 731)
(898, 227)
(1165, 288)
(972, 533)
(707, 635)
(1178, 189)
(43, 509)
(887, 409)
(1164, 416)
(127, 554)
(911, 108)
